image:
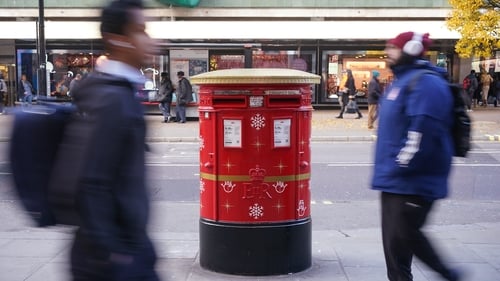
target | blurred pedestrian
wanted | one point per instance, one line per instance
(486, 81)
(497, 91)
(349, 95)
(3, 92)
(184, 93)
(374, 92)
(470, 86)
(25, 90)
(112, 242)
(165, 93)
(413, 155)
(74, 82)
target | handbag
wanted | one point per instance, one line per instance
(351, 107)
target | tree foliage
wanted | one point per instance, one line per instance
(478, 22)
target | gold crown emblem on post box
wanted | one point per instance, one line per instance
(257, 174)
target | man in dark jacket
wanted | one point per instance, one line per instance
(412, 155)
(165, 92)
(470, 89)
(374, 92)
(112, 243)
(184, 93)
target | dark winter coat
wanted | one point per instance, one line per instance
(113, 203)
(374, 91)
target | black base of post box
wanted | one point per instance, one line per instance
(258, 250)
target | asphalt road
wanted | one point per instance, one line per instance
(340, 171)
(340, 182)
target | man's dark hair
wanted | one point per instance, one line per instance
(115, 16)
(180, 73)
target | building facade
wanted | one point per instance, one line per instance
(323, 37)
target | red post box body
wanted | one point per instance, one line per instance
(255, 130)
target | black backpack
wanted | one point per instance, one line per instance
(461, 128)
(37, 134)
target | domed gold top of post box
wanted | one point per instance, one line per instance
(256, 76)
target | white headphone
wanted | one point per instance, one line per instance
(414, 47)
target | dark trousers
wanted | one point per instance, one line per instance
(403, 216)
(1, 101)
(90, 262)
(180, 113)
(469, 96)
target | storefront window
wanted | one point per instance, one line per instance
(66, 66)
(303, 61)
(218, 62)
(361, 63)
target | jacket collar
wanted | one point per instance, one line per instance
(123, 70)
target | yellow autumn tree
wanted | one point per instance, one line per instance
(478, 22)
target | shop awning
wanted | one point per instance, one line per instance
(246, 30)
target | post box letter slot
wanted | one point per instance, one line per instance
(282, 101)
(229, 101)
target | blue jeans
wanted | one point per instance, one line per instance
(165, 109)
(27, 99)
(180, 111)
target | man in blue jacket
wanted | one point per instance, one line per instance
(413, 155)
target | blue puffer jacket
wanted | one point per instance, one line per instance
(414, 145)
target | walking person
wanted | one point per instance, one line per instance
(414, 130)
(349, 94)
(165, 93)
(25, 90)
(497, 91)
(184, 96)
(3, 92)
(486, 81)
(374, 92)
(74, 83)
(112, 243)
(470, 86)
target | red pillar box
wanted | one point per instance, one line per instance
(255, 130)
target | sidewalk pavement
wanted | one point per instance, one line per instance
(346, 235)
(341, 250)
(325, 127)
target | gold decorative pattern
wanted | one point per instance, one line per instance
(256, 76)
(246, 178)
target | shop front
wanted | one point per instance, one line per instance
(324, 58)
(361, 63)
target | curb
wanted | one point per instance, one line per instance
(371, 138)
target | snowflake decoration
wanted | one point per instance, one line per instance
(202, 143)
(228, 186)
(280, 186)
(258, 121)
(202, 186)
(256, 211)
